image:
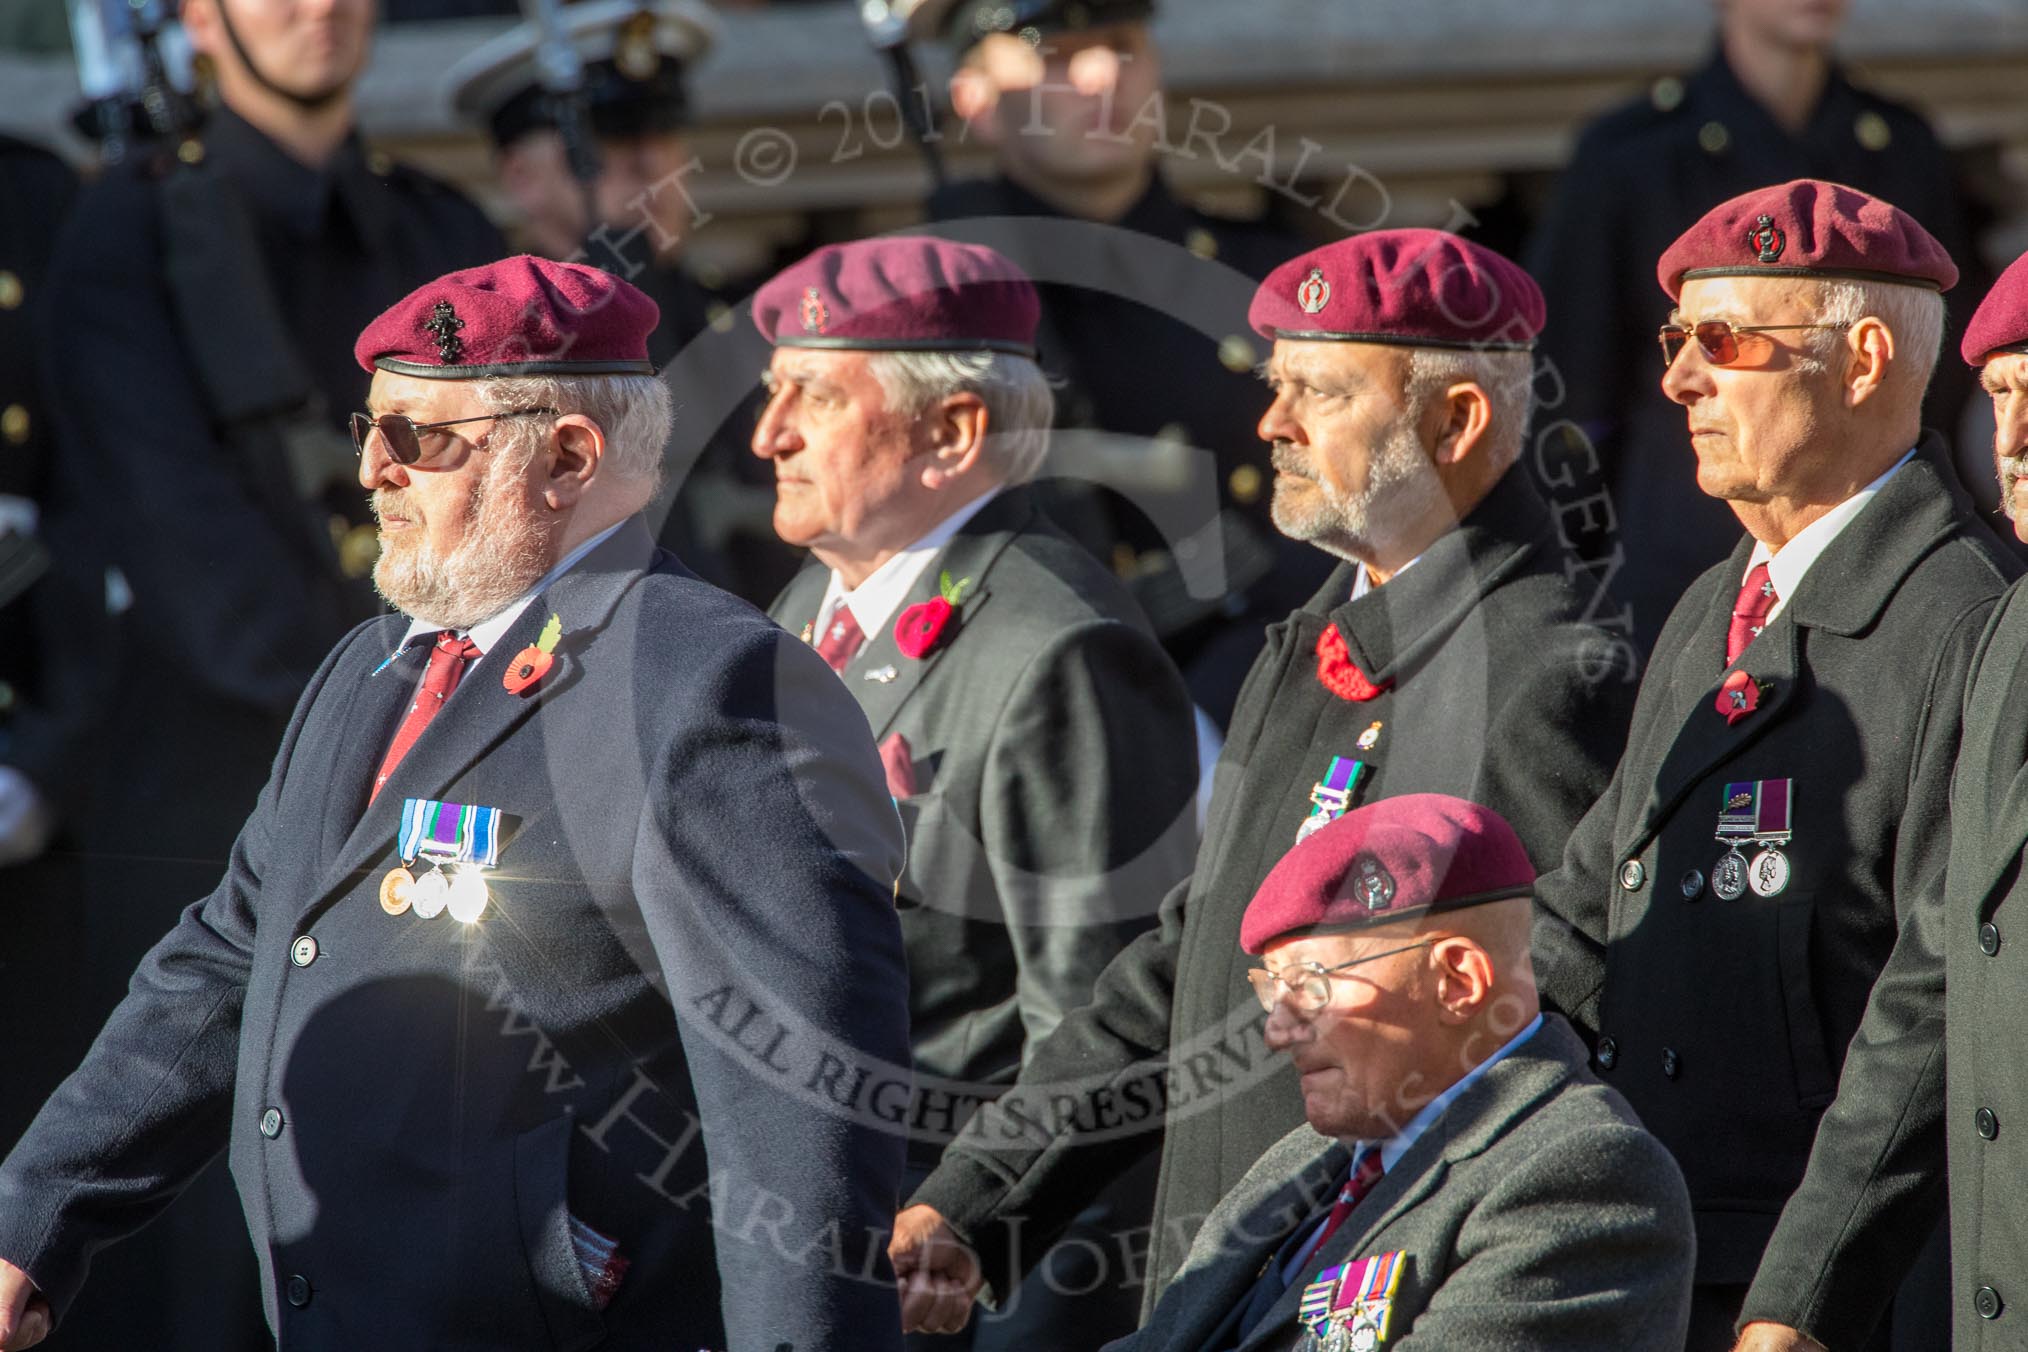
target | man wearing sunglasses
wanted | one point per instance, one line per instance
(1940, 1049)
(569, 883)
(1724, 909)
(1463, 1180)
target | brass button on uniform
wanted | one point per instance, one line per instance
(1987, 1302)
(271, 1123)
(1244, 484)
(1608, 1052)
(1235, 354)
(1987, 1124)
(14, 426)
(304, 952)
(1714, 138)
(1632, 875)
(1870, 129)
(11, 290)
(1989, 939)
(378, 164)
(1666, 94)
(1202, 243)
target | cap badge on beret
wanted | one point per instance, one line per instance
(444, 324)
(1374, 885)
(1315, 293)
(1766, 240)
(815, 316)
(634, 49)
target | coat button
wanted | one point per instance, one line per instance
(299, 1291)
(1989, 1125)
(1672, 1064)
(271, 1123)
(1608, 1052)
(1632, 875)
(1987, 1302)
(304, 952)
(1693, 885)
(1989, 939)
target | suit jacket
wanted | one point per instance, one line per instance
(1056, 769)
(1951, 996)
(1533, 1213)
(689, 957)
(1499, 691)
(1725, 1022)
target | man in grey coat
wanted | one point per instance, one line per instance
(1036, 738)
(1464, 1182)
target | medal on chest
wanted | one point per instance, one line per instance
(1756, 813)
(459, 841)
(1332, 795)
(1347, 1308)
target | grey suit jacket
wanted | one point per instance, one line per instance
(1534, 1213)
(1055, 764)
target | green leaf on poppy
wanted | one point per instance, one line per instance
(551, 632)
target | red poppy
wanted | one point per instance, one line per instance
(920, 627)
(1738, 697)
(530, 665)
(1339, 673)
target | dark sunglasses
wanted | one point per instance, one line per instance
(1719, 340)
(404, 437)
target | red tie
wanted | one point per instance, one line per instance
(1749, 612)
(447, 663)
(1365, 1174)
(842, 640)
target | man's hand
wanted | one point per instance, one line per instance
(1761, 1336)
(24, 1314)
(938, 1276)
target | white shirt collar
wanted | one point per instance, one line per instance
(874, 601)
(1786, 567)
(488, 632)
(1363, 584)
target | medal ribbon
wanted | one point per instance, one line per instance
(1756, 809)
(460, 833)
(1334, 791)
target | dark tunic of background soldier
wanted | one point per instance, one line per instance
(37, 874)
(634, 219)
(197, 329)
(1062, 90)
(1769, 106)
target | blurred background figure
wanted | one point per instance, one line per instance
(196, 331)
(1770, 104)
(1068, 94)
(596, 173)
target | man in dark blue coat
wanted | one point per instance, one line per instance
(545, 989)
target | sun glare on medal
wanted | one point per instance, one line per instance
(467, 900)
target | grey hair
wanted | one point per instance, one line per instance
(634, 412)
(1913, 314)
(1020, 406)
(1508, 378)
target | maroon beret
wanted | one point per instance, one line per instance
(1807, 228)
(1418, 853)
(2000, 324)
(1419, 288)
(521, 316)
(911, 293)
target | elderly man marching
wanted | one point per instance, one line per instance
(1956, 987)
(568, 882)
(1036, 737)
(1723, 911)
(1447, 653)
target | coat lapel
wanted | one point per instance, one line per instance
(481, 712)
(379, 695)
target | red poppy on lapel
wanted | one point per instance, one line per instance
(533, 662)
(1339, 673)
(921, 627)
(1738, 697)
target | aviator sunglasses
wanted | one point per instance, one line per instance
(1719, 340)
(404, 436)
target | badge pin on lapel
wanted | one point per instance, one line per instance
(881, 674)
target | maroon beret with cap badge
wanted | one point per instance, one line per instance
(1807, 228)
(911, 293)
(2000, 324)
(1403, 856)
(521, 316)
(1418, 288)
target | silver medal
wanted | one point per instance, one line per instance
(1769, 872)
(1728, 876)
(432, 893)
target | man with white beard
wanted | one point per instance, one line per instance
(1446, 654)
(567, 906)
